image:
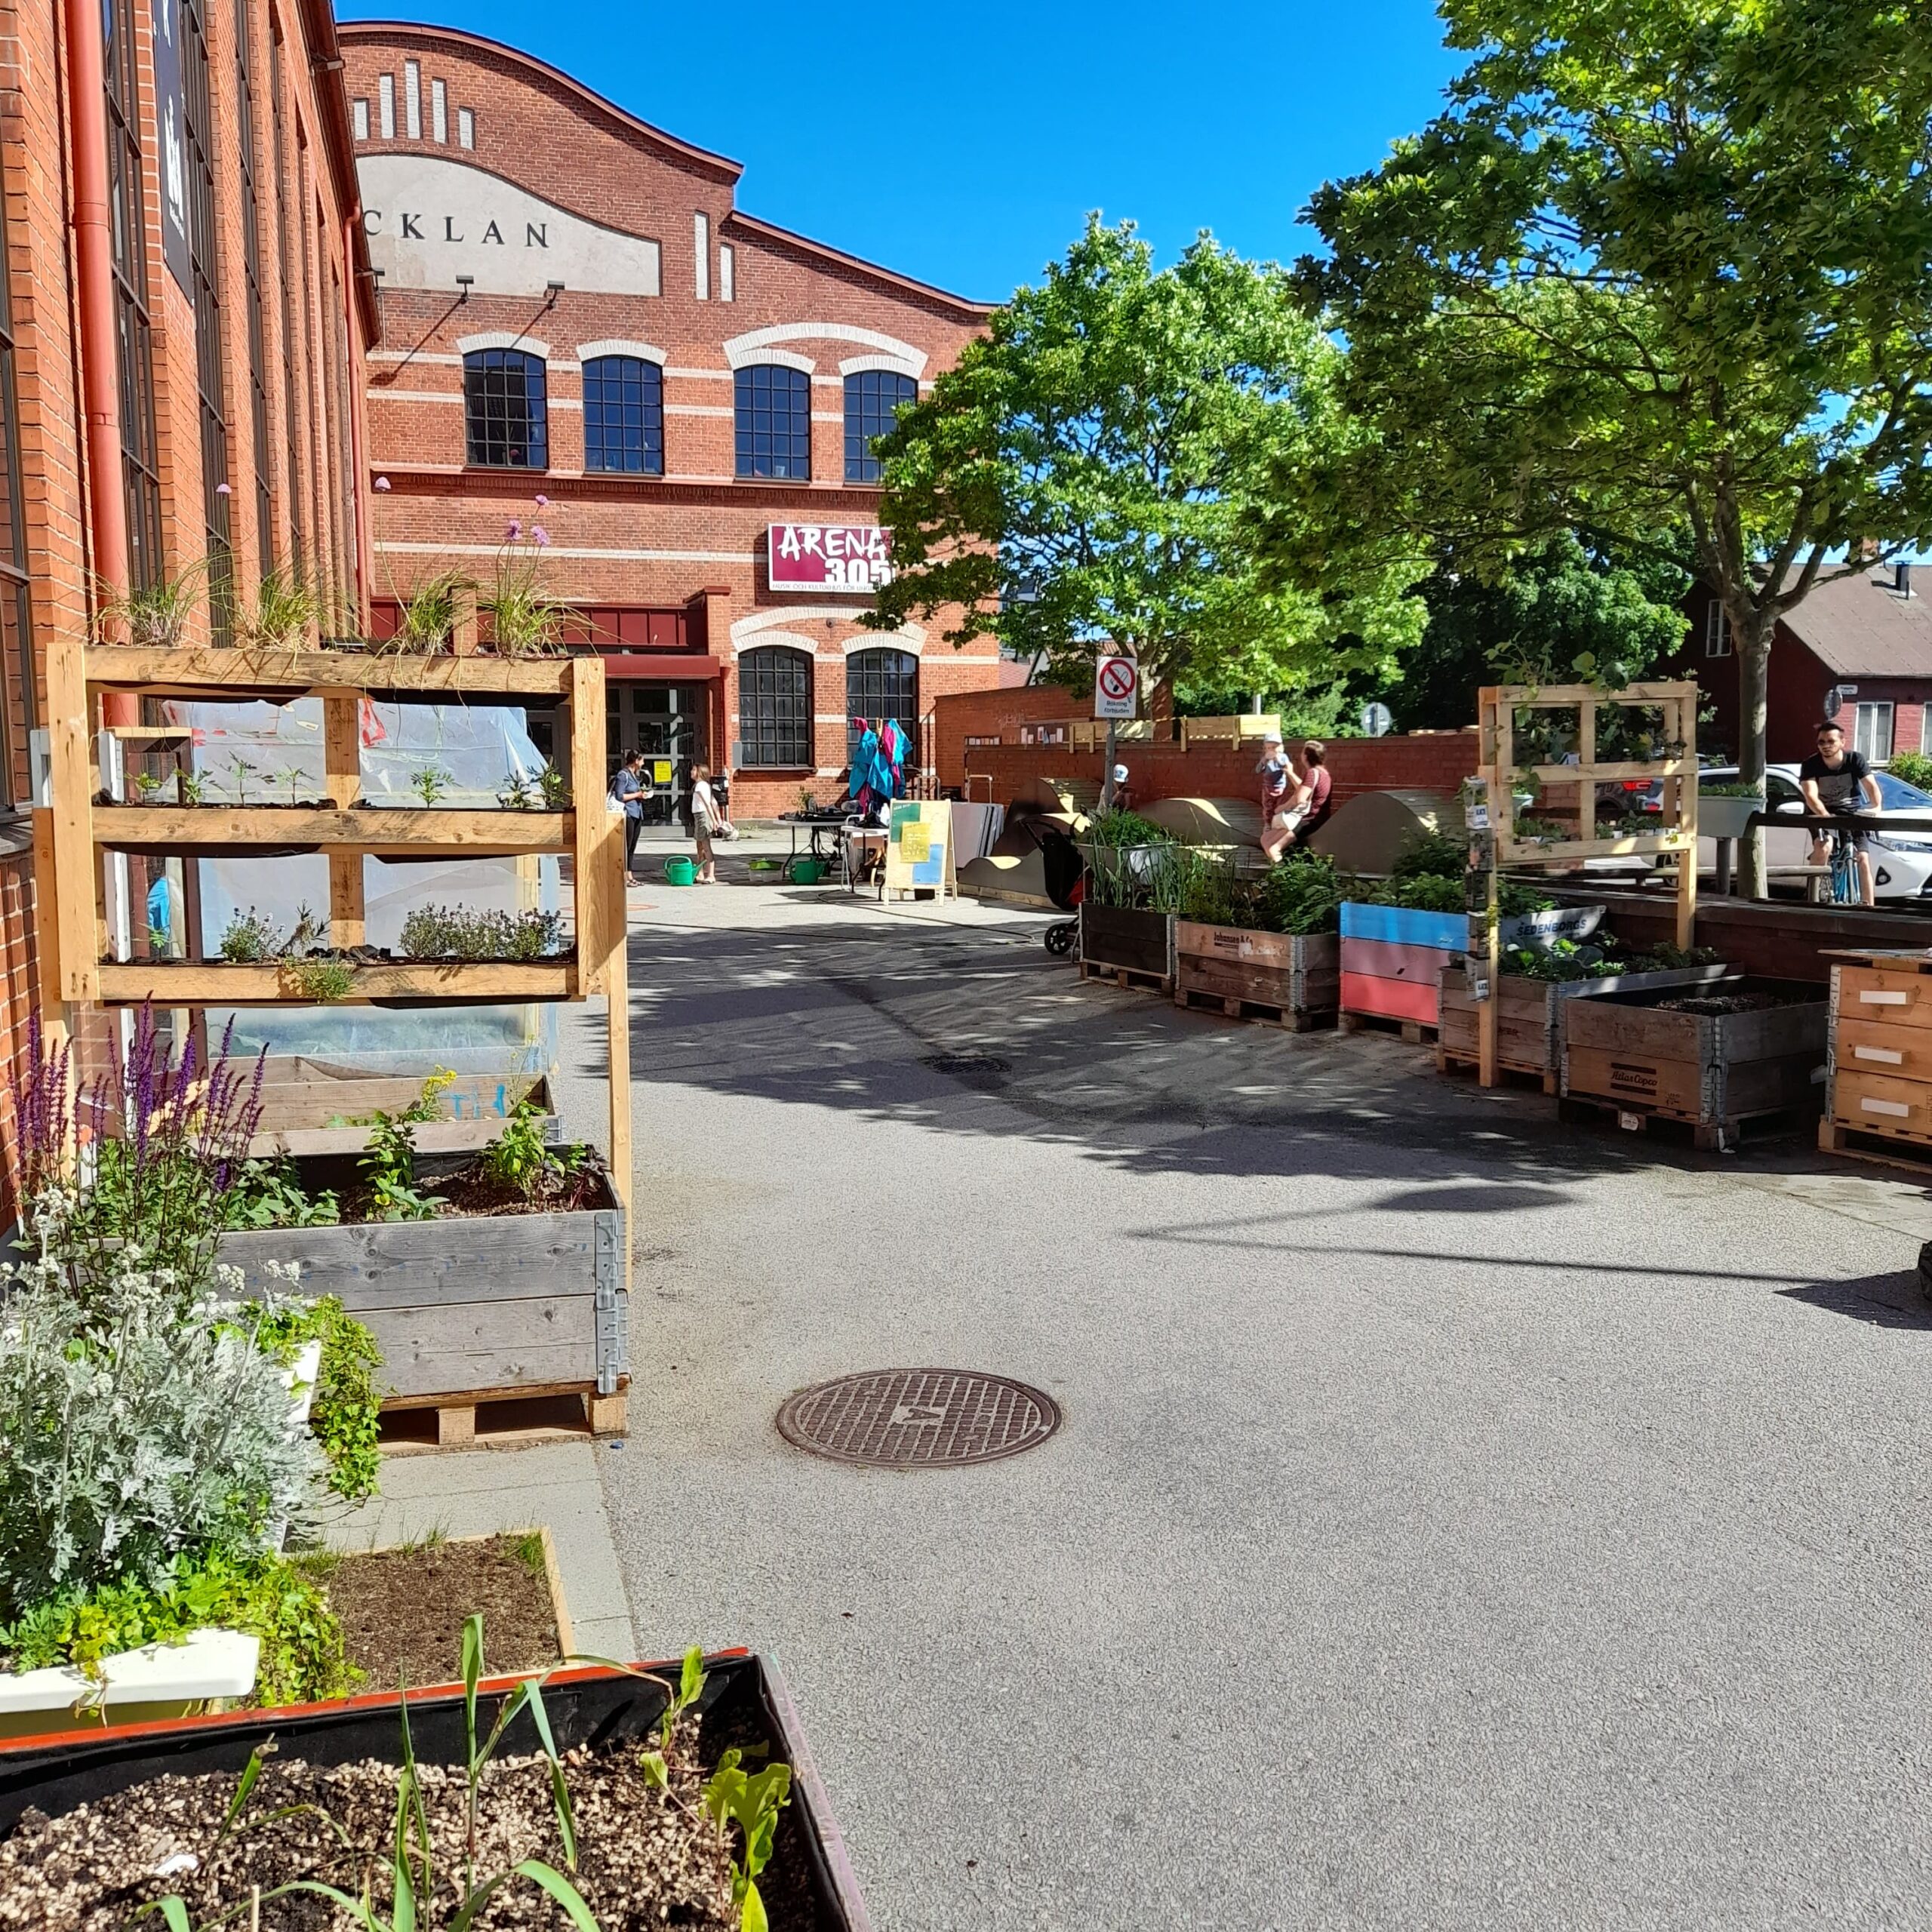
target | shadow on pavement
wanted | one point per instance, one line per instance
(846, 1017)
(1886, 1301)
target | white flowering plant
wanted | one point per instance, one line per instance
(143, 1421)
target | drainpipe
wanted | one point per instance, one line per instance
(93, 265)
(358, 428)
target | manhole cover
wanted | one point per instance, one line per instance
(965, 1063)
(918, 1418)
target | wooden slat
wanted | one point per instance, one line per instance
(1888, 1051)
(1674, 1086)
(404, 831)
(342, 754)
(201, 670)
(65, 896)
(267, 984)
(1881, 1105)
(1885, 994)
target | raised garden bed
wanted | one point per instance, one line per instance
(1128, 945)
(319, 1106)
(1392, 960)
(396, 1607)
(643, 1857)
(472, 1308)
(1292, 978)
(1530, 1018)
(1735, 1050)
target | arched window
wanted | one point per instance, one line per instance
(880, 684)
(505, 409)
(623, 415)
(774, 422)
(775, 708)
(872, 397)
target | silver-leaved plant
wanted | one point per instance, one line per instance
(134, 1426)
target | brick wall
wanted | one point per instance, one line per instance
(1423, 762)
(632, 542)
(304, 192)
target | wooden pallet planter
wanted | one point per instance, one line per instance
(1128, 945)
(1293, 980)
(1530, 1014)
(1878, 1078)
(489, 1419)
(306, 1103)
(473, 1308)
(1392, 959)
(1713, 1072)
(1573, 785)
(470, 1306)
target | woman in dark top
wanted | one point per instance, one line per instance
(1312, 797)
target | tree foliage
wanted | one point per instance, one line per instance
(1531, 622)
(1089, 469)
(1661, 265)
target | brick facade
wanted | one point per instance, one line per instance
(667, 563)
(308, 263)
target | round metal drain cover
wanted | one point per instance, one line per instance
(918, 1418)
(966, 1063)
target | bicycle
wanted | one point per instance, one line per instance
(1844, 868)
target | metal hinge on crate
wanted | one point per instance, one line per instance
(612, 1354)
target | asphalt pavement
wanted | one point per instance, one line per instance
(1459, 1519)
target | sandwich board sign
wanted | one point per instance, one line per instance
(1116, 688)
(918, 851)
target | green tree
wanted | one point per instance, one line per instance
(1530, 622)
(1086, 472)
(1661, 265)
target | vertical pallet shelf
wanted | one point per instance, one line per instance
(1676, 834)
(467, 1311)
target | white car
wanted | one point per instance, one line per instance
(1901, 859)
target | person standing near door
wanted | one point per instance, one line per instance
(628, 789)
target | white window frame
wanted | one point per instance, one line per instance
(1717, 630)
(385, 105)
(439, 111)
(1872, 730)
(412, 99)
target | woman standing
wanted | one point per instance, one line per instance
(704, 822)
(628, 789)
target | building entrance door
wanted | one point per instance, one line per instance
(667, 723)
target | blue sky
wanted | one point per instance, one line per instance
(1009, 121)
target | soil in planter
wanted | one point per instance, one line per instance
(644, 1858)
(396, 1608)
(1715, 1005)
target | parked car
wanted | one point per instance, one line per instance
(1901, 858)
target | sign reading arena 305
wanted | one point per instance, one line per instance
(821, 557)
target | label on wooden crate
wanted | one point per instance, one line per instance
(1866, 1105)
(1868, 997)
(1634, 1077)
(1885, 1056)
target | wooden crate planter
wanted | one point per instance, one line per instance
(1713, 1071)
(1530, 1014)
(1292, 978)
(1878, 1078)
(1391, 960)
(1128, 944)
(472, 1308)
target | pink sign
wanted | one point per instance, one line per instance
(819, 557)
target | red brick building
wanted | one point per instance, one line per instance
(184, 308)
(1858, 649)
(574, 308)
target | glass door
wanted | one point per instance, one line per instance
(667, 723)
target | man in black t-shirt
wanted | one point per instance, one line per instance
(1833, 779)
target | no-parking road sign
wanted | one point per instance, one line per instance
(1116, 688)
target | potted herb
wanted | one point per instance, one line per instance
(1724, 809)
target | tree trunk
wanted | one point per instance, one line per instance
(1754, 654)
